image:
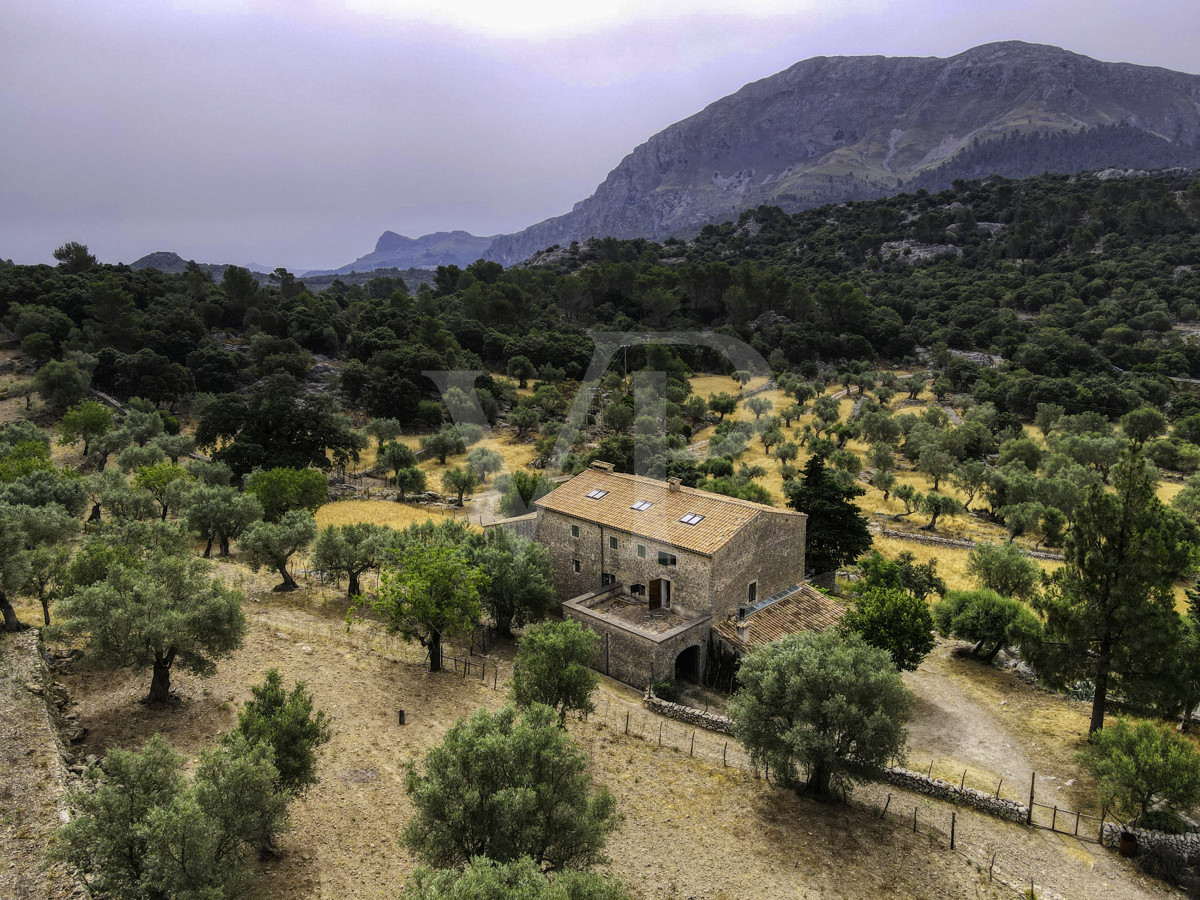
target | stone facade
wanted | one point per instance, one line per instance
(635, 656)
(604, 529)
(767, 553)
(519, 526)
(634, 561)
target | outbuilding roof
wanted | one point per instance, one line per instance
(691, 519)
(804, 609)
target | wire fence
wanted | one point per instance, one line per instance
(970, 833)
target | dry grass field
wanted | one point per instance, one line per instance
(378, 512)
(691, 827)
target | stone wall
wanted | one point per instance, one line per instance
(690, 577)
(639, 659)
(1183, 843)
(902, 778)
(944, 790)
(769, 551)
(938, 541)
(688, 714)
(521, 526)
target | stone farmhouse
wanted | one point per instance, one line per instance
(654, 567)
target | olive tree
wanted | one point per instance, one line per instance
(285, 722)
(507, 785)
(459, 481)
(427, 592)
(825, 708)
(1142, 767)
(85, 422)
(1003, 568)
(350, 550)
(163, 612)
(273, 544)
(397, 457)
(553, 667)
(144, 829)
(484, 879)
(893, 620)
(219, 513)
(992, 621)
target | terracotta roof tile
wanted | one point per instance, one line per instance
(806, 609)
(720, 519)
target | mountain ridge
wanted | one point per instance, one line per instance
(835, 128)
(394, 250)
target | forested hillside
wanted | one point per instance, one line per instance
(945, 375)
(1080, 283)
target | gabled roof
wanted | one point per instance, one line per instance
(716, 518)
(805, 609)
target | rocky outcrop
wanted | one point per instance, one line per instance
(830, 129)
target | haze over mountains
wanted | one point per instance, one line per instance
(831, 129)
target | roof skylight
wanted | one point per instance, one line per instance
(642, 505)
(596, 494)
(692, 519)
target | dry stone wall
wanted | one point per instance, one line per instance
(688, 714)
(1186, 844)
(902, 778)
(944, 790)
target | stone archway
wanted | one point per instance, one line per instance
(687, 664)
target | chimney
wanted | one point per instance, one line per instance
(743, 630)
(673, 485)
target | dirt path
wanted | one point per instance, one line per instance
(956, 732)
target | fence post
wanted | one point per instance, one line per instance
(627, 721)
(1029, 815)
(724, 753)
(1103, 813)
(953, 820)
(963, 782)
(929, 774)
(692, 749)
(495, 679)
(660, 734)
(914, 820)
(998, 783)
(990, 866)
(1054, 819)
(885, 806)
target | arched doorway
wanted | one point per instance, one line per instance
(687, 664)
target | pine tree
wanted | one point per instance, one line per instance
(1110, 612)
(836, 532)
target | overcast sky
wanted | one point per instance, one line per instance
(294, 133)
